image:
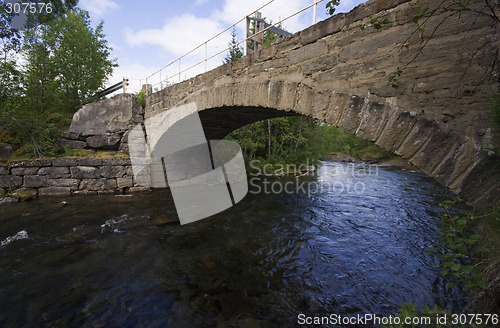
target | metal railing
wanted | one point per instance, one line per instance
(174, 71)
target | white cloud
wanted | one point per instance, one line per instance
(98, 7)
(178, 35)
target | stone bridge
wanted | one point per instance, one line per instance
(438, 118)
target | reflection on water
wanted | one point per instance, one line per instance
(112, 261)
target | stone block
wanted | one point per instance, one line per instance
(89, 162)
(72, 144)
(54, 191)
(109, 142)
(9, 181)
(85, 172)
(65, 162)
(24, 170)
(113, 171)
(36, 163)
(124, 182)
(54, 171)
(138, 189)
(98, 184)
(73, 183)
(3, 170)
(35, 181)
(116, 161)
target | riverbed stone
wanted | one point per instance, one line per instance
(55, 191)
(85, 172)
(25, 194)
(9, 181)
(8, 200)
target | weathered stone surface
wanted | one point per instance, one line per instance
(35, 181)
(64, 162)
(54, 191)
(124, 182)
(25, 194)
(84, 192)
(108, 142)
(24, 170)
(2, 192)
(116, 161)
(73, 183)
(54, 171)
(98, 184)
(89, 162)
(6, 150)
(138, 189)
(73, 144)
(3, 170)
(113, 171)
(8, 181)
(35, 163)
(8, 200)
(85, 172)
(116, 114)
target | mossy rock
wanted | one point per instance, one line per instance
(24, 194)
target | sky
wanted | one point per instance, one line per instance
(148, 35)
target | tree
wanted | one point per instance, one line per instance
(67, 62)
(235, 51)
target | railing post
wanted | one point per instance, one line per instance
(315, 11)
(124, 85)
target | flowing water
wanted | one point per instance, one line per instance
(352, 239)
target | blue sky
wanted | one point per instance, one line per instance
(148, 35)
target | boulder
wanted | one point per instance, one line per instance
(114, 115)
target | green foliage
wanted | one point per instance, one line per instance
(140, 97)
(393, 78)
(376, 23)
(460, 238)
(298, 139)
(330, 6)
(235, 51)
(67, 62)
(269, 37)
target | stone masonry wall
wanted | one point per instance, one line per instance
(67, 176)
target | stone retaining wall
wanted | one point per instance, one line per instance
(67, 176)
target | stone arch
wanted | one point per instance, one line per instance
(437, 119)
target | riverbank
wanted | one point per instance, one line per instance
(22, 180)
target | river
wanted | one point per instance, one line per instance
(350, 239)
